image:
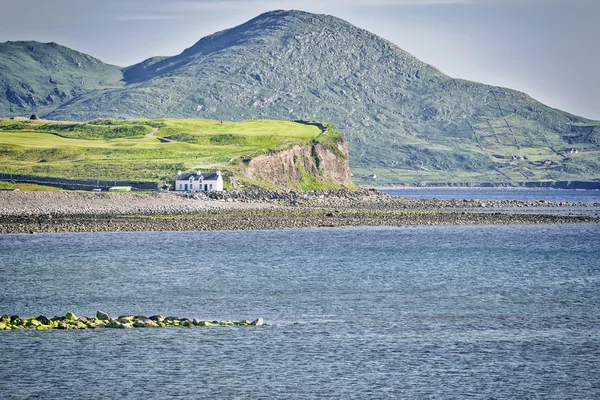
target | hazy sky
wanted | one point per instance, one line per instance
(546, 48)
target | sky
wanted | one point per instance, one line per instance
(549, 49)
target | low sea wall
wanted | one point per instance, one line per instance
(76, 184)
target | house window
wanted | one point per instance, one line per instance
(211, 186)
(180, 186)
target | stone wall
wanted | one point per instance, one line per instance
(76, 184)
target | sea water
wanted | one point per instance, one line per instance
(503, 312)
(520, 194)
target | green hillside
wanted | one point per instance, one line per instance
(404, 120)
(140, 150)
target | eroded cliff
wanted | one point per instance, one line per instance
(323, 163)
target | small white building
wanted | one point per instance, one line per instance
(119, 189)
(199, 182)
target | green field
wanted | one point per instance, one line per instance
(139, 150)
(28, 187)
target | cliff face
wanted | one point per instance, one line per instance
(310, 166)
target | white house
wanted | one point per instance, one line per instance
(198, 182)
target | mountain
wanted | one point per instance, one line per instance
(404, 120)
(39, 77)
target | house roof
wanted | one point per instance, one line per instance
(195, 176)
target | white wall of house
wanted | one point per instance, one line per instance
(197, 183)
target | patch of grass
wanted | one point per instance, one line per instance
(113, 122)
(330, 139)
(80, 130)
(227, 139)
(29, 187)
(310, 181)
(313, 182)
(6, 185)
(183, 137)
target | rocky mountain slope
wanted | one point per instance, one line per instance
(405, 121)
(39, 77)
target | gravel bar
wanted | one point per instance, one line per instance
(37, 212)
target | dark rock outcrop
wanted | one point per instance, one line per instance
(102, 316)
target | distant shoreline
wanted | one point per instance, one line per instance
(384, 188)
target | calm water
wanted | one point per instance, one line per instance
(499, 312)
(552, 195)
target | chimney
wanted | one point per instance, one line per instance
(218, 172)
(178, 173)
(198, 172)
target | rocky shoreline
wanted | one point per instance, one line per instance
(366, 199)
(35, 212)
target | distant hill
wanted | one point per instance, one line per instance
(40, 77)
(405, 121)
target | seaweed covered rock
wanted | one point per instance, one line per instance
(32, 323)
(102, 316)
(44, 320)
(71, 316)
(103, 320)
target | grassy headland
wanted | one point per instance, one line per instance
(142, 149)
